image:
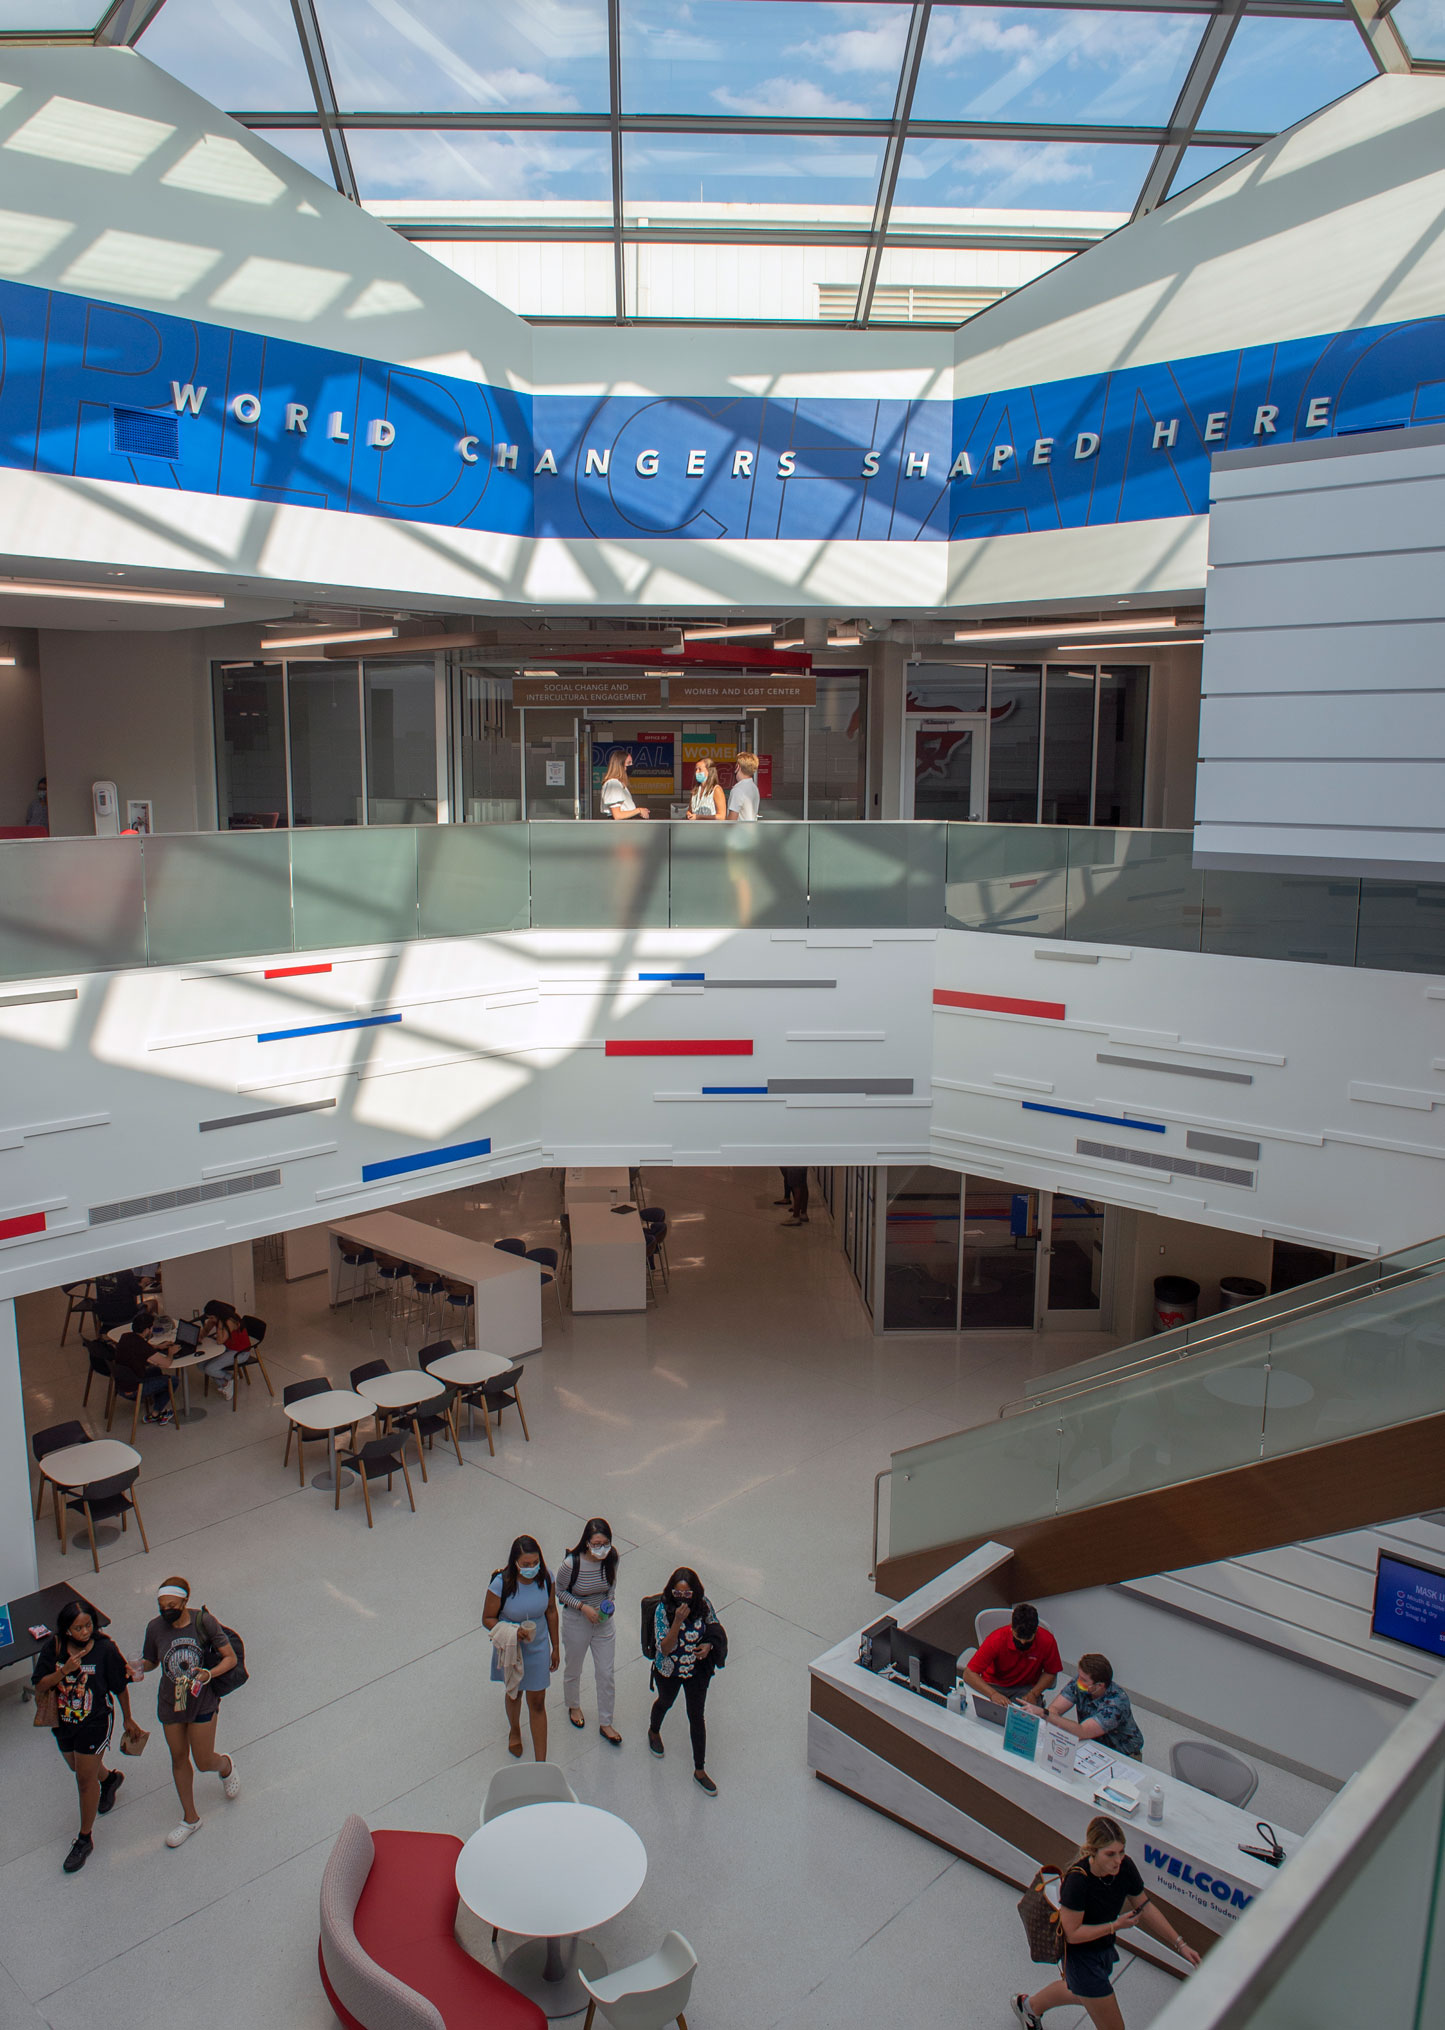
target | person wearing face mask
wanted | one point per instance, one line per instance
(617, 800)
(523, 1592)
(1018, 1662)
(177, 1643)
(587, 1589)
(684, 1663)
(86, 1672)
(708, 800)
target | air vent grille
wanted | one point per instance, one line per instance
(140, 433)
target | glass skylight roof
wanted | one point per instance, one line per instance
(870, 125)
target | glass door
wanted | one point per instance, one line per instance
(945, 765)
(1001, 1236)
(1071, 1248)
(550, 747)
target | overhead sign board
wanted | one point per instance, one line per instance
(745, 693)
(592, 694)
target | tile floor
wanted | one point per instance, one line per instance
(735, 1427)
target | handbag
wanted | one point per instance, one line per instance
(1041, 1922)
(47, 1709)
(133, 1740)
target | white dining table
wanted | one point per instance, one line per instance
(324, 1414)
(80, 1466)
(549, 1872)
(467, 1368)
(596, 1187)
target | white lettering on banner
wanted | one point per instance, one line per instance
(187, 397)
(742, 465)
(917, 463)
(1043, 450)
(1317, 416)
(380, 433)
(696, 460)
(546, 463)
(870, 464)
(245, 408)
(1166, 433)
(296, 414)
(1002, 453)
(1215, 424)
(467, 448)
(1086, 444)
(505, 457)
(787, 465)
(1264, 419)
(647, 464)
(1222, 1896)
(962, 467)
(334, 430)
(598, 461)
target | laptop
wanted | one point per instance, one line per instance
(996, 1716)
(188, 1335)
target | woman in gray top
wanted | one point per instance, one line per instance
(587, 1589)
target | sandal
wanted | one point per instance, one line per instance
(574, 1714)
(611, 1735)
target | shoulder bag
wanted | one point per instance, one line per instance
(1040, 1914)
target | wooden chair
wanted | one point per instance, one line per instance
(496, 1395)
(54, 1438)
(370, 1461)
(101, 1501)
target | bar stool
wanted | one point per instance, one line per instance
(430, 1292)
(462, 1304)
(352, 1280)
(391, 1277)
(654, 1218)
(546, 1260)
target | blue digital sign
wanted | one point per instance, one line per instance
(100, 391)
(1409, 1604)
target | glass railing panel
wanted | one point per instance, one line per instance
(600, 876)
(472, 878)
(1310, 918)
(877, 876)
(217, 895)
(1011, 1476)
(353, 886)
(1375, 1361)
(1010, 879)
(740, 877)
(1134, 888)
(1402, 926)
(1177, 1423)
(70, 906)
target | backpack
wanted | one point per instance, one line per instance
(650, 1604)
(238, 1675)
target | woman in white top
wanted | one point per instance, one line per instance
(708, 800)
(743, 799)
(616, 796)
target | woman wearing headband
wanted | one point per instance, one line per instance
(177, 1644)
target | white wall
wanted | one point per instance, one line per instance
(22, 733)
(1322, 732)
(17, 1525)
(135, 710)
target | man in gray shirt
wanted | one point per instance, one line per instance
(743, 798)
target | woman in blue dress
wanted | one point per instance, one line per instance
(523, 1592)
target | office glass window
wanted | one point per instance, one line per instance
(920, 1250)
(947, 687)
(250, 719)
(401, 743)
(837, 747)
(325, 709)
(780, 742)
(491, 750)
(1013, 763)
(1068, 745)
(1119, 767)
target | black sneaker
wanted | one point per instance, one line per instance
(654, 1742)
(110, 1783)
(704, 1782)
(79, 1854)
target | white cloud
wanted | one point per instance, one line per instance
(876, 45)
(799, 98)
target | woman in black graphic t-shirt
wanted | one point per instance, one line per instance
(86, 1672)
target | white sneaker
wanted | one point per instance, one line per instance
(227, 1389)
(231, 1781)
(178, 1835)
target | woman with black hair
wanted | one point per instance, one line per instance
(587, 1588)
(86, 1672)
(523, 1593)
(684, 1663)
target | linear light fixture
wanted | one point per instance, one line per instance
(723, 633)
(1104, 648)
(32, 590)
(1150, 622)
(321, 640)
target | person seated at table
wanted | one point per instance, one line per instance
(228, 1330)
(138, 1356)
(1020, 1662)
(1101, 1709)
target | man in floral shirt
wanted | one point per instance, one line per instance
(1101, 1709)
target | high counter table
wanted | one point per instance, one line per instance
(949, 1777)
(507, 1289)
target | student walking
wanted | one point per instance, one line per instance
(86, 1672)
(587, 1589)
(177, 1644)
(523, 1595)
(1102, 1894)
(688, 1653)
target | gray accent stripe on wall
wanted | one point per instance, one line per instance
(1179, 1070)
(1178, 1166)
(753, 983)
(1070, 958)
(266, 1114)
(30, 1000)
(840, 1085)
(194, 1194)
(1222, 1145)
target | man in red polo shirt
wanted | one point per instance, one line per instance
(1018, 1662)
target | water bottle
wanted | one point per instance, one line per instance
(1156, 1804)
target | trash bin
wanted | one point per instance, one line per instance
(1237, 1290)
(1176, 1302)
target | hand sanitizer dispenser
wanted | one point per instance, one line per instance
(105, 807)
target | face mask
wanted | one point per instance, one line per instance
(598, 1550)
(682, 1599)
(171, 1614)
(528, 1573)
(700, 776)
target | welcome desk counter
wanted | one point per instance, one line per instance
(949, 1777)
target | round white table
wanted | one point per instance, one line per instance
(324, 1413)
(550, 1871)
(79, 1465)
(467, 1369)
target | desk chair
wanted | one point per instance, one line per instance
(1207, 1766)
(102, 1500)
(54, 1438)
(649, 1994)
(987, 1620)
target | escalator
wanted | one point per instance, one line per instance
(1318, 1410)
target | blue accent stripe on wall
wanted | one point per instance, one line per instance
(327, 1028)
(1078, 1114)
(430, 1159)
(672, 976)
(709, 1091)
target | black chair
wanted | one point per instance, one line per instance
(297, 1392)
(367, 1372)
(80, 1303)
(102, 1501)
(511, 1247)
(54, 1438)
(426, 1423)
(503, 1391)
(256, 1330)
(100, 1353)
(117, 1298)
(370, 1461)
(656, 1239)
(438, 1349)
(546, 1260)
(462, 1301)
(126, 1387)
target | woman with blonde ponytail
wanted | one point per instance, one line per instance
(1101, 1895)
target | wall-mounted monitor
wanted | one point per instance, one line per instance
(1409, 1604)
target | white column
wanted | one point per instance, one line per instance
(17, 1525)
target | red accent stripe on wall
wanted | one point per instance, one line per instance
(28, 1223)
(717, 1046)
(292, 972)
(998, 1004)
